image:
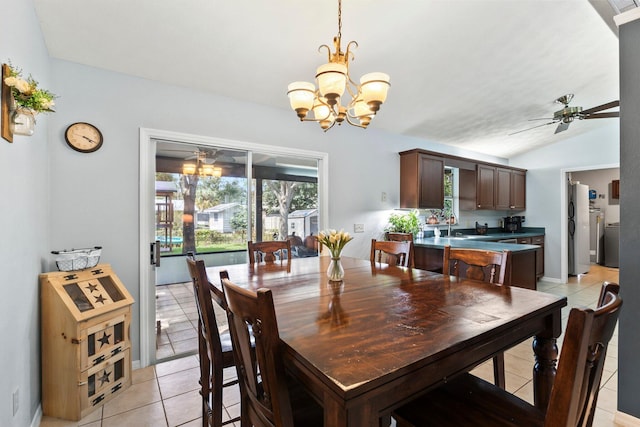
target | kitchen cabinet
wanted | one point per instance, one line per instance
(86, 360)
(485, 187)
(500, 188)
(522, 272)
(421, 180)
(615, 189)
(510, 189)
(539, 240)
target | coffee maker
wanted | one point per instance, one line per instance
(513, 224)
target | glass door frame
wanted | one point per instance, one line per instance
(147, 147)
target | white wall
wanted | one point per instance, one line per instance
(24, 215)
(546, 192)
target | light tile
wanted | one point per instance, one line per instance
(183, 408)
(147, 416)
(179, 383)
(177, 365)
(136, 396)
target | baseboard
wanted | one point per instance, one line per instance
(626, 420)
(551, 279)
(37, 417)
(135, 365)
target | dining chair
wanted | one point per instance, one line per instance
(485, 266)
(470, 401)
(269, 252)
(269, 397)
(391, 252)
(403, 237)
(214, 349)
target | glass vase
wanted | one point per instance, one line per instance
(23, 122)
(335, 272)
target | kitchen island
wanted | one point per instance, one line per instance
(429, 254)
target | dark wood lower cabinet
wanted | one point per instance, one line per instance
(523, 265)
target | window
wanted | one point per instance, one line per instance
(200, 212)
(451, 191)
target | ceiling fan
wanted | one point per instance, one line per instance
(565, 116)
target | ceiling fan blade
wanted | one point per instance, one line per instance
(524, 130)
(606, 106)
(603, 115)
(562, 127)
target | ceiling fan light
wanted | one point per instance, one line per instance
(189, 169)
(332, 79)
(301, 96)
(207, 170)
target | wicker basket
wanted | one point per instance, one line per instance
(77, 259)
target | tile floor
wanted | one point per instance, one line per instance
(166, 394)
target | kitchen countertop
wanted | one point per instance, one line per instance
(478, 242)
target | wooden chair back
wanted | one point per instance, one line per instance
(403, 237)
(477, 264)
(214, 350)
(391, 252)
(269, 252)
(265, 396)
(584, 349)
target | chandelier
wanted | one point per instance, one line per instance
(201, 167)
(333, 79)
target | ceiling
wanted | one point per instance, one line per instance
(463, 72)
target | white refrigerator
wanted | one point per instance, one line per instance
(578, 212)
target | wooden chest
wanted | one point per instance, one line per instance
(86, 347)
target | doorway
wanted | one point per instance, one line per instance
(599, 179)
(213, 220)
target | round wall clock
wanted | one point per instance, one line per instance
(83, 137)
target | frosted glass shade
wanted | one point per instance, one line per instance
(301, 95)
(374, 87)
(332, 79)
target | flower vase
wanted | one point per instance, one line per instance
(22, 122)
(335, 272)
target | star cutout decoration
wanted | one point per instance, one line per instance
(92, 287)
(100, 299)
(105, 377)
(105, 339)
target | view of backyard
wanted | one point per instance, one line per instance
(202, 213)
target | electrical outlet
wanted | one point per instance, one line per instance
(16, 401)
(358, 228)
(384, 196)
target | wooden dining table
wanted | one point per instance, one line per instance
(385, 334)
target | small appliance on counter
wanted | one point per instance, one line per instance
(513, 224)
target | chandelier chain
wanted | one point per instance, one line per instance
(339, 19)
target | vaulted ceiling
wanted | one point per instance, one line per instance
(463, 72)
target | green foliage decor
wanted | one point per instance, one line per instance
(404, 222)
(26, 92)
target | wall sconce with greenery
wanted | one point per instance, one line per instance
(22, 99)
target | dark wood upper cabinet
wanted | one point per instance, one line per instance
(482, 185)
(518, 189)
(421, 180)
(510, 189)
(485, 187)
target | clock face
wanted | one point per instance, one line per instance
(83, 137)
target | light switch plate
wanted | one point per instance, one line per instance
(358, 228)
